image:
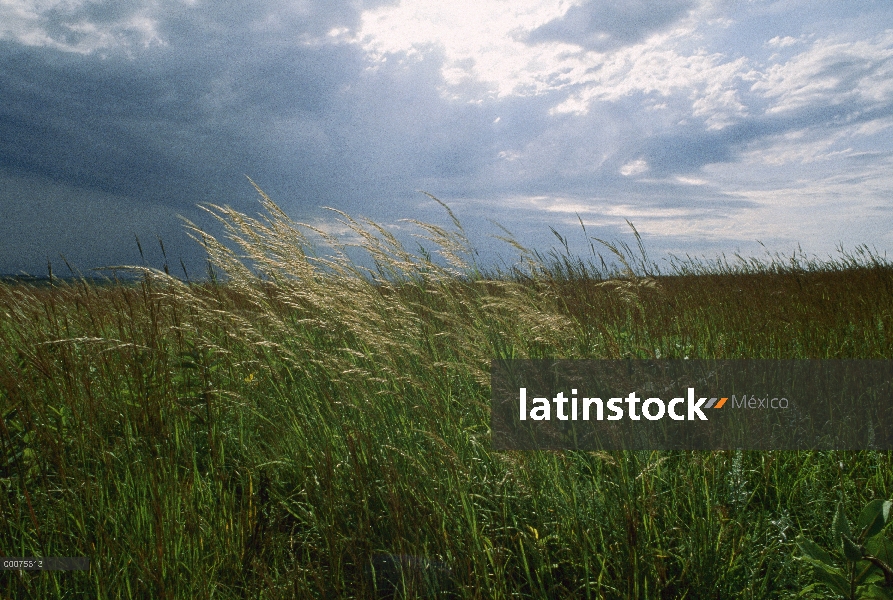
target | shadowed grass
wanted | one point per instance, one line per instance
(314, 425)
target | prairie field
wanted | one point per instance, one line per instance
(312, 420)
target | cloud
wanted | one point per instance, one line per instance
(168, 124)
(635, 167)
(88, 26)
(603, 25)
(664, 112)
(687, 150)
(480, 42)
(82, 27)
(782, 42)
(699, 85)
(489, 52)
(831, 72)
(166, 121)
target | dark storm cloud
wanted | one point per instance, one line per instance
(394, 133)
(94, 124)
(198, 24)
(164, 122)
(228, 93)
(142, 126)
(232, 92)
(605, 24)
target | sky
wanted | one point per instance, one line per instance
(715, 127)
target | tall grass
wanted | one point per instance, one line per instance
(312, 423)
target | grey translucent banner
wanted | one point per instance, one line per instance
(692, 404)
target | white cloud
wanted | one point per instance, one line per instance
(610, 212)
(719, 105)
(58, 24)
(691, 180)
(782, 42)
(636, 167)
(479, 40)
(658, 67)
(874, 127)
(829, 73)
(800, 147)
(483, 48)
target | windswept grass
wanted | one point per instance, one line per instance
(314, 424)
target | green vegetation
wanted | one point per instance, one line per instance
(305, 427)
(866, 554)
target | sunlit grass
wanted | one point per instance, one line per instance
(316, 425)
